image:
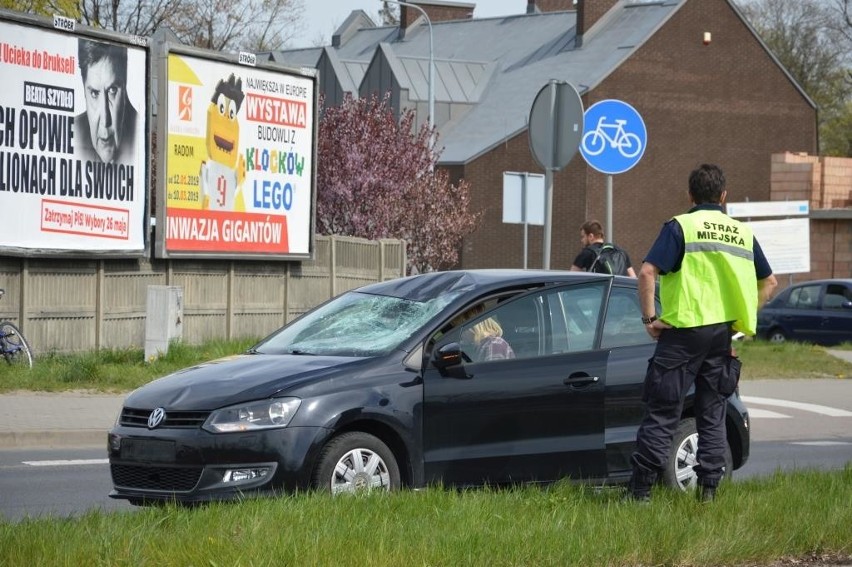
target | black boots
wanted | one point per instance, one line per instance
(638, 489)
(706, 493)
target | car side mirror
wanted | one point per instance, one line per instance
(448, 355)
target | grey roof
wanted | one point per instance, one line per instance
(499, 64)
(504, 110)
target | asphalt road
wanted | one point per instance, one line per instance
(795, 424)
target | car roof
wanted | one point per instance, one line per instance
(847, 281)
(429, 285)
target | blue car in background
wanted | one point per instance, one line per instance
(818, 311)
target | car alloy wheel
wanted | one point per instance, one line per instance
(777, 336)
(684, 455)
(356, 462)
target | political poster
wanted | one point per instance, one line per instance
(73, 143)
(238, 160)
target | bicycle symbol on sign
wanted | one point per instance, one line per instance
(595, 141)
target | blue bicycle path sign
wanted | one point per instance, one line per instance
(614, 136)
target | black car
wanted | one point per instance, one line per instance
(818, 311)
(382, 387)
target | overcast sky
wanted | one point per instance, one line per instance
(323, 17)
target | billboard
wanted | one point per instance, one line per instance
(73, 141)
(238, 159)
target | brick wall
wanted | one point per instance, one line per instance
(836, 182)
(726, 103)
(590, 11)
(551, 5)
(826, 183)
(436, 12)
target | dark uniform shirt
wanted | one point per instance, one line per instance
(667, 251)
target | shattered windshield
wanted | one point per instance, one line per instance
(355, 324)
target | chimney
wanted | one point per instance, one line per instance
(438, 11)
(588, 13)
(542, 6)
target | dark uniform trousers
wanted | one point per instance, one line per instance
(683, 357)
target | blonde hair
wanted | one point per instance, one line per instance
(486, 328)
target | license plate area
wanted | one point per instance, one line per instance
(148, 450)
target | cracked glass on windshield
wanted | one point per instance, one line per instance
(354, 324)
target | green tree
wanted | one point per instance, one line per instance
(222, 25)
(812, 39)
(68, 8)
(375, 179)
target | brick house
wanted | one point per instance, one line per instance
(706, 86)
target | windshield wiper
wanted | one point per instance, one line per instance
(300, 352)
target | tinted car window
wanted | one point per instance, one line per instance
(836, 296)
(545, 322)
(623, 325)
(582, 309)
(805, 297)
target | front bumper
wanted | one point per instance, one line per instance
(193, 465)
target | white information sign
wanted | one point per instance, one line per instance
(513, 188)
(786, 244)
(767, 209)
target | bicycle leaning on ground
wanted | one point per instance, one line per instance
(13, 345)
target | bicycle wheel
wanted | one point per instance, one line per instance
(14, 346)
(630, 145)
(593, 143)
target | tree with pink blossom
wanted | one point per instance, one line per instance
(377, 178)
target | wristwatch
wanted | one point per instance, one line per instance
(649, 320)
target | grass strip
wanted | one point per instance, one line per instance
(754, 522)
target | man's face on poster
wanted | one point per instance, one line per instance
(105, 100)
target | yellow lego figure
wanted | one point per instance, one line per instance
(223, 174)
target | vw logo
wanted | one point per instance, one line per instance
(156, 418)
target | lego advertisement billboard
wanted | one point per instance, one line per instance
(238, 160)
(72, 143)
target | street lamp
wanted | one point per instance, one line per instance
(431, 66)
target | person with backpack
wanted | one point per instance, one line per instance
(600, 256)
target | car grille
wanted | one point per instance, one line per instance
(132, 417)
(155, 478)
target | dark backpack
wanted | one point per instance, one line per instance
(611, 260)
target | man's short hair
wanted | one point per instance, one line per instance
(593, 227)
(90, 52)
(706, 184)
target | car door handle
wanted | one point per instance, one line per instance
(584, 380)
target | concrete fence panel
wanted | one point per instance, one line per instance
(64, 305)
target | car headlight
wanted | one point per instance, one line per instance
(252, 416)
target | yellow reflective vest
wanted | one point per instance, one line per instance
(717, 282)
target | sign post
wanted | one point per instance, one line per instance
(523, 202)
(614, 140)
(555, 127)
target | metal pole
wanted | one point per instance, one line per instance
(548, 213)
(431, 67)
(610, 230)
(524, 215)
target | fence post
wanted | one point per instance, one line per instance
(332, 265)
(382, 244)
(286, 293)
(229, 308)
(22, 304)
(99, 305)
